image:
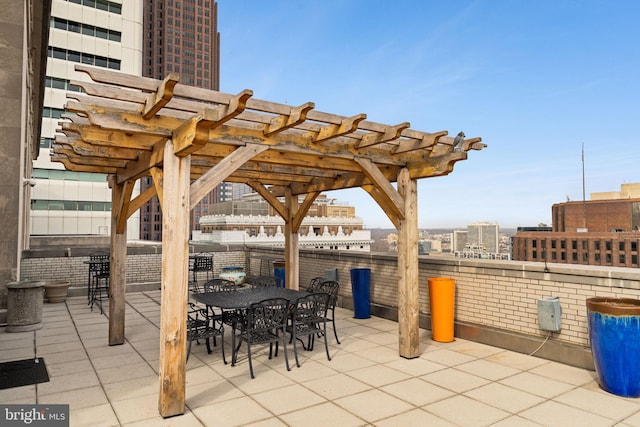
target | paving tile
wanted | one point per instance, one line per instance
(60, 383)
(203, 394)
(378, 375)
(385, 405)
(94, 416)
(381, 354)
(288, 399)
(125, 372)
(66, 368)
(417, 392)
(414, 367)
(132, 388)
(336, 386)
(346, 362)
(78, 398)
(464, 411)
(486, 369)
(185, 420)
(504, 397)
(557, 414)
(416, 417)
(265, 379)
(326, 414)
(446, 357)
(455, 380)
(472, 348)
(136, 408)
(241, 411)
(600, 402)
(538, 385)
(516, 360)
(565, 373)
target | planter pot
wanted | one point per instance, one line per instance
(360, 292)
(234, 273)
(614, 336)
(56, 292)
(24, 306)
(442, 294)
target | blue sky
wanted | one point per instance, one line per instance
(534, 79)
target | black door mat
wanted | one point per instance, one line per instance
(23, 372)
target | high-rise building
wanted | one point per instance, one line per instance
(99, 33)
(181, 37)
(479, 240)
(484, 235)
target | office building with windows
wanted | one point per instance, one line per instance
(181, 37)
(602, 231)
(98, 33)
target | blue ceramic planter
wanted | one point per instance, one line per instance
(614, 334)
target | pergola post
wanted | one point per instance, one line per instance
(291, 243)
(117, 269)
(408, 314)
(175, 251)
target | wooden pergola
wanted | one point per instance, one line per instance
(189, 140)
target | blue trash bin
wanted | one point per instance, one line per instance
(360, 285)
(279, 272)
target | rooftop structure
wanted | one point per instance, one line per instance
(104, 34)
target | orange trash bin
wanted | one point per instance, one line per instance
(442, 292)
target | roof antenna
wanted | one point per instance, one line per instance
(584, 202)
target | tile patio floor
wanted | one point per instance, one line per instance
(454, 384)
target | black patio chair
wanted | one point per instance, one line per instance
(204, 324)
(266, 323)
(265, 282)
(332, 288)
(200, 263)
(219, 285)
(308, 319)
(99, 274)
(233, 318)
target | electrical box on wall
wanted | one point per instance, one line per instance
(549, 314)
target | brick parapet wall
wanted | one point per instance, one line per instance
(494, 294)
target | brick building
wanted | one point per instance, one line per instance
(594, 232)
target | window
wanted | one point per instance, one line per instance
(585, 245)
(609, 245)
(621, 246)
(596, 245)
(621, 259)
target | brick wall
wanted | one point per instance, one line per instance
(490, 294)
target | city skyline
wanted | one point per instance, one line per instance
(535, 80)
